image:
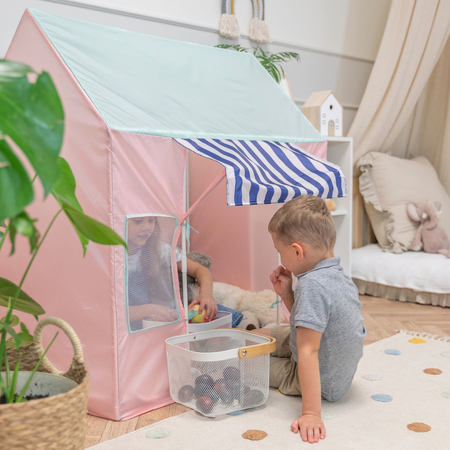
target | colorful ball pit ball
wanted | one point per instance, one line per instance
(205, 379)
(214, 396)
(227, 397)
(205, 405)
(186, 393)
(202, 390)
(220, 385)
(199, 317)
(234, 386)
(231, 373)
(252, 398)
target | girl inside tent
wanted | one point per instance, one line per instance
(150, 291)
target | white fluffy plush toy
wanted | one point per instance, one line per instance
(259, 308)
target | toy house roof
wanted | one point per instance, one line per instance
(318, 98)
(150, 85)
(220, 104)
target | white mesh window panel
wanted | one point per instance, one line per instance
(149, 284)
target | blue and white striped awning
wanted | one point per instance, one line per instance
(261, 172)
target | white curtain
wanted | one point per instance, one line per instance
(400, 94)
(428, 133)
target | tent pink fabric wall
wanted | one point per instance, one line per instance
(148, 177)
(117, 174)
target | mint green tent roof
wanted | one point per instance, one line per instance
(150, 85)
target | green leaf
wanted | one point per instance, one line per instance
(24, 302)
(13, 69)
(22, 224)
(25, 335)
(64, 192)
(15, 181)
(13, 334)
(31, 114)
(266, 59)
(14, 380)
(14, 320)
(236, 47)
(92, 229)
(86, 227)
(64, 188)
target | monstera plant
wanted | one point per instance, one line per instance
(32, 128)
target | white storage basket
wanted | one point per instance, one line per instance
(223, 320)
(219, 371)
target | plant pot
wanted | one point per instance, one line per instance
(43, 384)
(54, 422)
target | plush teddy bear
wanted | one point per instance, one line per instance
(256, 307)
(259, 308)
(429, 235)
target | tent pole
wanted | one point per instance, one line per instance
(209, 189)
(186, 214)
(183, 252)
(278, 297)
(278, 301)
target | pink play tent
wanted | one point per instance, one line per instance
(134, 105)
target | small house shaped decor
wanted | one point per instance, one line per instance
(324, 112)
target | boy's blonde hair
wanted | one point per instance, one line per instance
(304, 219)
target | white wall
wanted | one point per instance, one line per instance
(337, 39)
(351, 27)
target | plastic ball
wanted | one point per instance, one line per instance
(201, 390)
(204, 404)
(220, 385)
(252, 398)
(214, 396)
(199, 317)
(231, 373)
(234, 386)
(186, 393)
(205, 379)
(226, 396)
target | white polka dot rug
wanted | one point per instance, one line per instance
(399, 399)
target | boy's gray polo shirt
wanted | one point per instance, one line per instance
(326, 300)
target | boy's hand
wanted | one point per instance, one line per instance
(207, 302)
(281, 279)
(311, 428)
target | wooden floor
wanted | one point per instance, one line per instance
(381, 317)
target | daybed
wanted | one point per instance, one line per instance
(389, 269)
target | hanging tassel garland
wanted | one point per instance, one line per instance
(259, 31)
(229, 27)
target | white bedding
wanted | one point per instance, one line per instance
(409, 276)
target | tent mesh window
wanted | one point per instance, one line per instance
(150, 294)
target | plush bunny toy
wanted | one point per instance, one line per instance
(429, 236)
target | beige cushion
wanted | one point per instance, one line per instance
(387, 185)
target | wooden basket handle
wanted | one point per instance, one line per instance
(77, 348)
(260, 349)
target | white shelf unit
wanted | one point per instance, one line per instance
(340, 152)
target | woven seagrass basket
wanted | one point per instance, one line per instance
(56, 422)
